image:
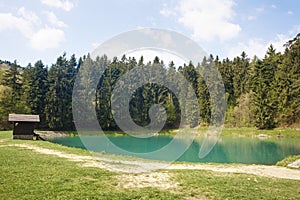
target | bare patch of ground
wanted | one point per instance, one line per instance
(259, 170)
(3, 140)
(150, 179)
(157, 178)
(51, 134)
(295, 164)
(86, 160)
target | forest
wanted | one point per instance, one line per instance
(262, 93)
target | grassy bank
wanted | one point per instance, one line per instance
(26, 174)
(245, 131)
(277, 132)
(288, 160)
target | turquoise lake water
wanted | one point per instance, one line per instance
(227, 150)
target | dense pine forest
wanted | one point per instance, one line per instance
(264, 93)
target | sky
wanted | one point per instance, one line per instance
(45, 29)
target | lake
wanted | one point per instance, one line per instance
(245, 150)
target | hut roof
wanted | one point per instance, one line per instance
(23, 118)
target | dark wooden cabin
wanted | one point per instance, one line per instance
(23, 125)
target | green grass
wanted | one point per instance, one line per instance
(217, 185)
(26, 174)
(246, 131)
(250, 132)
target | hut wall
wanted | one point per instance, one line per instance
(23, 130)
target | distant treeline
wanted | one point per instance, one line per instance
(259, 92)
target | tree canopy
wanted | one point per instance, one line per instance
(259, 92)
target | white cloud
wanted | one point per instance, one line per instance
(207, 19)
(290, 12)
(273, 6)
(62, 4)
(28, 24)
(257, 13)
(279, 41)
(149, 55)
(47, 38)
(53, 19)
(251, 17)
(28, 15)
(11, 22)
(96, 44)
(259, 47)
(254, 46)
(151, 20)
(167, 12)
(295, 30)
(260, 9)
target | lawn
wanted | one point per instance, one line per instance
(26, 174)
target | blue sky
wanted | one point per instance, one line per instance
(44, 29)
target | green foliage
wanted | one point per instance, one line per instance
(5, 106)
(288, 77)
(58, 109)
(227, 73)
(203, 95)
(13, 79)
(35, 88)
(263, 88)
(262, 93)
(240, 75)
(241, 115)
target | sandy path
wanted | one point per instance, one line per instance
(138, 166)
(259, 170)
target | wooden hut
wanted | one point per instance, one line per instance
(23, 125)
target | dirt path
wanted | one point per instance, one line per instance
(138, 166)
(259, 170)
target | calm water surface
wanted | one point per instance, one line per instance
(228, 150)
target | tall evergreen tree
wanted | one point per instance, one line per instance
(263, 91)
(240, 78)
(289, 84)
(226, 70)
(203, 93)
(59, 96)
(35, 88)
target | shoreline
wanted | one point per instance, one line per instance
(200, 131)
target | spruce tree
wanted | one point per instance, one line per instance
(289, 84)
(263, 86)
(35, 88)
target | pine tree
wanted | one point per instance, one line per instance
(226, 70)
(35, 88)
(289, 85)
(240, 78)
(203, 93)
(263, 84)
(59, 96)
